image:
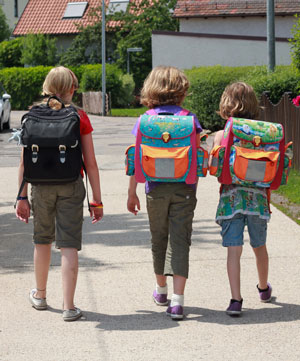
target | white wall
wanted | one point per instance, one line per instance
(255, 26)
(185, 52)
(8, 7)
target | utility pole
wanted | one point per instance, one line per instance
(271, 34)
(103, 61)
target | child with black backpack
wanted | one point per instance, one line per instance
(58, 206)
(170, 204)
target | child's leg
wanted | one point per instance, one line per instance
(179, 284)
(161, 280)
(42, 257)
(69, 267)
(262, 263)
(234, 271)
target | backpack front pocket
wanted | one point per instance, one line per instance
(216, 166)
(166, 163)
(253, 165)
(288, 156)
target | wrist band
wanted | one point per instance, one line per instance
(22, 198)
(96, 205)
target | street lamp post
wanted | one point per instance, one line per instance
(271, 34)
(131, 50)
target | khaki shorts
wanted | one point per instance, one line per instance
(171, 211)
(58, 214)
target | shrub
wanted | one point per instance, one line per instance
(23, 84)
(10, 53)
(92, 81)
(208, 84)
(39, 49)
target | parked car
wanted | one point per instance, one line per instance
(5, 108)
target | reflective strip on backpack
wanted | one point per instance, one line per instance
(255, 170)
(164, 168)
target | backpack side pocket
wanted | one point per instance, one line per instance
(288, 156)
(202, 162)
(129, 160)
(216, 166)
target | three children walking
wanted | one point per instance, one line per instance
(170, 204)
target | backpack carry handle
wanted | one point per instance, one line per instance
(56, 98)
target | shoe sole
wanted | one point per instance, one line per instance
(234, 313)
(174, 317)
(160, 303)
(266, 301)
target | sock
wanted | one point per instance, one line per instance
(264, 290)
(161, 290)
(177, 300)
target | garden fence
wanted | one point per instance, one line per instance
(286, 113)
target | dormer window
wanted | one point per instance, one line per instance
(75, 10)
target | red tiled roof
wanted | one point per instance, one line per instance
(206, 8)
(46, 17)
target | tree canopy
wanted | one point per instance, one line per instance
(4, 28)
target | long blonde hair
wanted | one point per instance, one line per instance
(59, 81)
(239, 100)
(165, 85)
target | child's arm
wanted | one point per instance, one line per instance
(133, 202)
(217, 141)
(22, 207)
(91, 165)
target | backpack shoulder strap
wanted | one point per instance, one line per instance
(184, 112)
(151, 112)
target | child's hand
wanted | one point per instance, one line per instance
(133, 204)
(23, 210)
(96, 212)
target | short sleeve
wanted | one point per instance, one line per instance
(85, 123)
(197, 123)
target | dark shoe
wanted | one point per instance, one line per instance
(176, 312)
(265, 295)
(160, 299)
(72, 315)
(235, 308)
(37, 303)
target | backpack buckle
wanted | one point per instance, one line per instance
(62, 153)
(34, 155)
(256, 140)
(166, 137)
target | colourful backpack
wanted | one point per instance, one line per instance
(252, 153)
(165, 149)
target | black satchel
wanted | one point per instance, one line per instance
(52, 147)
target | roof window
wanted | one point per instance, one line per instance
(75, 9)
(117, 5)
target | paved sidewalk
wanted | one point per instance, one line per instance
(121, 322)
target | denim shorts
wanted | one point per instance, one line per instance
(233, 230)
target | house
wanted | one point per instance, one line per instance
(13, 10)
(61, 18)
(229, 33)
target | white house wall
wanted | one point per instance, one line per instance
(186, 52)
(8, 7)
(254, 25)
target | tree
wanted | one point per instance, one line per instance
(295, 43)
(11, 52)
(135, 30)
(4, 28)
(39, 49)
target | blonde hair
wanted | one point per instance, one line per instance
(239, 100)
(59, 81)
(164, 85)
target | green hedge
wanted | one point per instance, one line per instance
(25, 84)
(208, 84)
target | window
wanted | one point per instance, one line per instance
(16, 9)
(117, 5)
(75, 10)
